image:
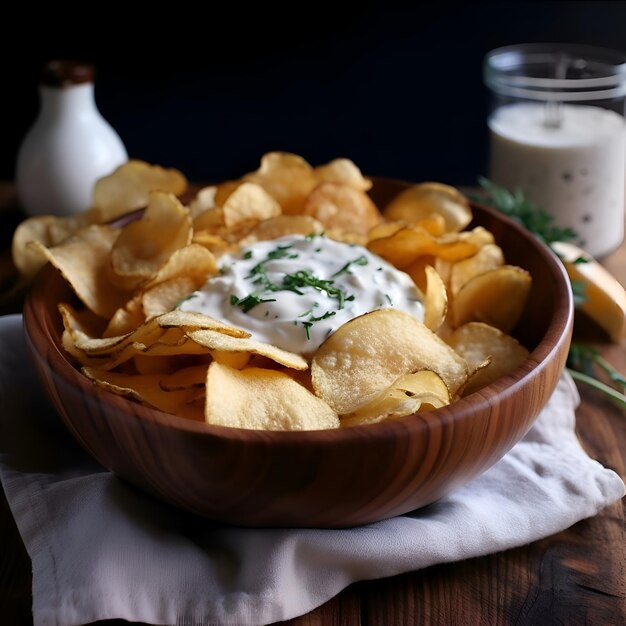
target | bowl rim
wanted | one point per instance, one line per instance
(558, 331)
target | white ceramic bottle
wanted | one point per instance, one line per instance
(69, 146)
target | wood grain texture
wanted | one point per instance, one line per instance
(335, 478)
(511, 587)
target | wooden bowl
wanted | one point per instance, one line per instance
(334, 478)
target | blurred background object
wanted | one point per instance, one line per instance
(69, 147)
(396, 87)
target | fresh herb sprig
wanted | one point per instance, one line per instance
(584, 363)
(519, 208)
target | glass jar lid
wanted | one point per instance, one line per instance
(563, 72)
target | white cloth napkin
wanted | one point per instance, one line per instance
(101, 549)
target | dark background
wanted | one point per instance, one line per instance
(397, 87)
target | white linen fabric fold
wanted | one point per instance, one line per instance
(101, 549)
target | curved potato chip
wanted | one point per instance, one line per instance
(421, 200)
(496, 297)
(219, 341)
(83, 259)
(486, 258)
(193, 261)
(261, 399)
(49, 230)
(280, 226)
(435, 300)
(286, 177)
(249, 201)
(423, 390)
(203, 202)
(344, 172)
(407, 245)
(185, 378)
(342, 207)
(367, 354)
(191, 320)
(144, 245)
(129, 187)
(144, 388)
(476, 343)
(166, 295)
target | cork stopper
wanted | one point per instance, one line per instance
(65, 73)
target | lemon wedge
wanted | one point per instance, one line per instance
(605, 297)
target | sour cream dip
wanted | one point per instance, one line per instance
(293, 292)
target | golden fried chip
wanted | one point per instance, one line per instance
(496, 297)
(249, 201)
(476, 343)
(420, 391)
(421, 200)
(486, 258)
(48, 230)
(143, 246)
(144, 388)
(129, 187)
(435, 300)
(407, 245)
(185, 378)
(190, 320)
(364, 356)
(261, 399)
(127, 318)
(203, 202)
(212, 242)
(166, 295)
(214, 340)
(193, 261)
(280, 226)
(342, 207)
(83, 259)
(343, 172)
(286, 177)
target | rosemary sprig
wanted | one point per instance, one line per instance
(583, 362)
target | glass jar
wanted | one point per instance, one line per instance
(557, 132)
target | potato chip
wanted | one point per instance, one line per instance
(249, 201)
(127, 318)
(144, 388)
(185, 378)
(286, 177)
(144, 245)
(280, 226)
(256, 398)
(48, 230)
(203, 202)
(342, 207)
(129, 187)
(212, 242)
(407, 245)
(219, 341)
(166, 295)
(487, 258)
(343, 172)
(476, 343)
(423, 390)
(435, 300)
(420, 201)
(83, 259)
(364, 356)
(190, 320)
(210, 220)
(496, 297)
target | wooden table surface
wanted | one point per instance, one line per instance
(575, 577)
